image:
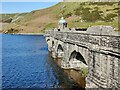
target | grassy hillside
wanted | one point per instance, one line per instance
(77, 14)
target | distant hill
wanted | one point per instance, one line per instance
(77, 14)
(91, 0)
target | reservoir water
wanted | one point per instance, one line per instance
(26, 63)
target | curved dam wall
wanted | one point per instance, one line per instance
(96, 49)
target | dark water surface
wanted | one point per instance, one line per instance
(26, 63)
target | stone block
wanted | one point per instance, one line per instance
(102, 30)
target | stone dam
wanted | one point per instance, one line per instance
(95, 49)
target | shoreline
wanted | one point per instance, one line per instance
(24, 33)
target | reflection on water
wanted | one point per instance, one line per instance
(73, 74)
(76, 76)
(26, 63)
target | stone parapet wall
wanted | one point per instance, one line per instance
(102, 41)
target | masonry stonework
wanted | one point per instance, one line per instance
(99, 50)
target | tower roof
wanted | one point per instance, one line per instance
(62, 20)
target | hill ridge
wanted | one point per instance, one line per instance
(77, 14)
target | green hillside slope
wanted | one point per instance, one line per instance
(77, 14)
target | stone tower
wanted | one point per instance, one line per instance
(62, 24)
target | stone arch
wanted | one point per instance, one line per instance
(60, 51)
(77, 61)
(53, 43)
(78, 56)
(48, 40)
(59, 48)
